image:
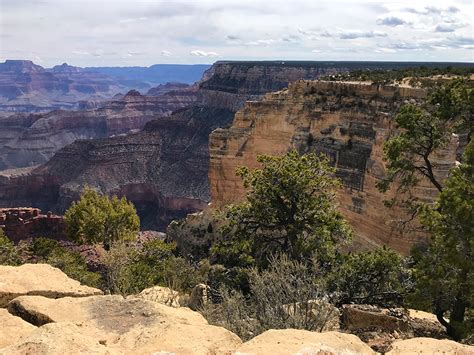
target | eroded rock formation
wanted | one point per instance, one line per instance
(32, 139)
(23, 223)
(348, 122)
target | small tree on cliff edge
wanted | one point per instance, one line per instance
(290, 208)
(444, 270)
(99, 219)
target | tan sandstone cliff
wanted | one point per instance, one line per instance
(349, 122)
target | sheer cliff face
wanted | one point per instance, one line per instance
(31, 139)
(349, 123)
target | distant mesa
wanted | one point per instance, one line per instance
(20, 66)
(65, 68)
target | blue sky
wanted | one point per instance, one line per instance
(145, 32)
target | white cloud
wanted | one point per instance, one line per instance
(103, 32)
(200, 53)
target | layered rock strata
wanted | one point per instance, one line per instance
(348, 122)
(32, 139)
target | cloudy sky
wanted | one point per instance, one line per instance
(145, 32)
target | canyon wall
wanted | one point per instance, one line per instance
(348, 122)
(164, 168)
(32, 139)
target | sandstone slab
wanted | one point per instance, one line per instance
(430, 346)
(39, 279)
(160, 294)
(292, 341)
(111, 311)
(12, 328)
(131, 326)
(57, 339)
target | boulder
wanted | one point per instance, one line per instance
(39, 279)
(110, 311)
(380, 327)
(199, 296)
(355, 317)
(12, 328)
(57, 339)
(430, 346)
(292, 341)
(132, 325)
(163, 295)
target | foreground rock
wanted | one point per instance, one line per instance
(126, 325)
(292, 341)
(430, 346)
(162, 295)
(12, 328)
(111, 311)
(57, 339)
(39, 279)
(379, 327)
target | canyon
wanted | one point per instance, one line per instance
(163, 168)
(28, 139)
(169, 168)
(28, 87)
(348, 122)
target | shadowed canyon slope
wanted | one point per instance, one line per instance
(349, 122)
(32, 139)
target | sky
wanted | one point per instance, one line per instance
(146, 32)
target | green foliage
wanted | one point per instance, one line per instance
(129, 270)
(423, 129)
(373, 277)
(8, 253)
(100, 219)
(49, 251)
(290, 208)
(444, 270)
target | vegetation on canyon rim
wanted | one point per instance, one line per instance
(283, 246)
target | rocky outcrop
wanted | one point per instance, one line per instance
(12, 328)
(32, 139)
(24, 223)
(291, 341)
(128, 325)
(110, 324)
(379, 327)
(39, 279)
(349, 123)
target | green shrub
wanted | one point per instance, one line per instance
(372, 277)
(8, 252)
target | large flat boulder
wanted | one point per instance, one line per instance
(292, 341)
(57, 339)
(39, 279)
(110, 311)
(132, 325)
(12, 328)
(429, 346)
